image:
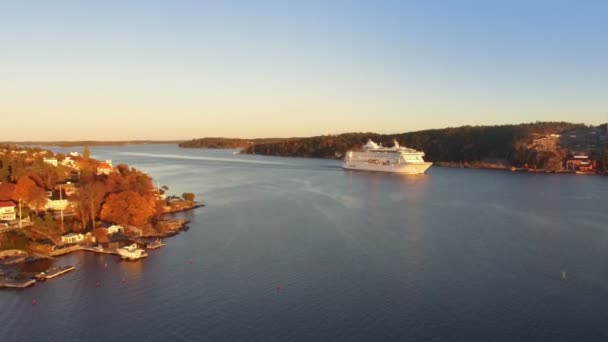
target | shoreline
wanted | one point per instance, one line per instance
(21, 279)
(516, 169)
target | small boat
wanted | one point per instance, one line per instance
(155, 244)
(132, 252)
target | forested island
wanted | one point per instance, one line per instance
(534, 146)
(229, 142)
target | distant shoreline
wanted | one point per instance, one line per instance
(513, 169)
(92, 143)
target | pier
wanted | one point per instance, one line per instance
(54, 272)
(16, 283)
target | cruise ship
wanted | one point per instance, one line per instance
(397, 159)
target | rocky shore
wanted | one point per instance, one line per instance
(21, 270)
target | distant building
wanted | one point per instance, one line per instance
(580, 163)
(112, 228)
(7, 211)
(105, 168)
(69, 162)
(50, 161)
(72, 238)
(74, 154)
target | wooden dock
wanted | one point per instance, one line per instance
(156, 244)
(98, 250)
(71, 249)
(54, 272)
(17, 284)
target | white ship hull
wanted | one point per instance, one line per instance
(396, 159)
(411, 169)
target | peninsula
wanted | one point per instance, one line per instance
(52, 204)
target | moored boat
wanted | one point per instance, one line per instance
(132, 252)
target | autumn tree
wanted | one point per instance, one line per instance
(100, 234)
(27, 191)
(4, 168)
(7, 192)
(126, 179)
(88, 201)
(128, 207)
(86, 154)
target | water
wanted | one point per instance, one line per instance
(456, 255)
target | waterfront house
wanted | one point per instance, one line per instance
(581, 163)
(58, 200)
(112, 228)
(72, 238)
(7, 211)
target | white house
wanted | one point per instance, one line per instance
(112, 229)
(58, 200)
(72, 238)
(74, 154)
(69, 162)
(7, 211)
(50, 161)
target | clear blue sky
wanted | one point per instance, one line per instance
(187, 69)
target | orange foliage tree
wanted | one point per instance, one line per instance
(128, 179)
(7, 192)
(128, 207)
(26, 190)
(100, 234)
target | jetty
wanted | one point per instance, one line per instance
(158, 243)
(16, 283)
(54, 272)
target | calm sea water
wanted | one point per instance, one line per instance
(456, 255)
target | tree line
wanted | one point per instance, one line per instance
(228, 142)
(454, 144)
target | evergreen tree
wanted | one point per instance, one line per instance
(86, 154)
